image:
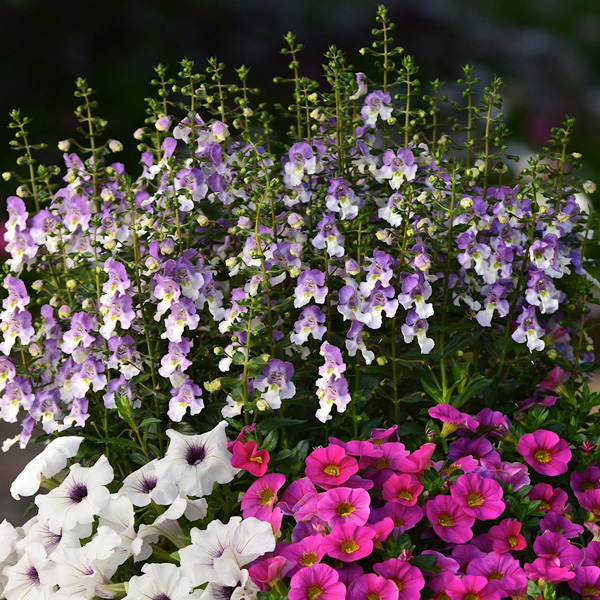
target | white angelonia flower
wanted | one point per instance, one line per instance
(145, 485)
(32, 578)
(79, 498)
(237, 543)
(51, 460)
(161, 581)
(82, 573)
(196, 462)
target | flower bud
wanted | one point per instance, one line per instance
(212, 386)
(7, 175)
(115, 146)
(37, 285)
(589, 187)
(71, 284)
(64, 312)
(64, 145)
(138, 134)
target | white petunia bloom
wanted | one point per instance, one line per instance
(79, 498)
(32, 578)
(161, 582)
(243, 589)
(118, 516)
(48, 463)
(38, 532)
(144, 485)
(217, 553)
(82, 573)
(196, 462)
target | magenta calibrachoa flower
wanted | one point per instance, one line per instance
(449, 521)
(344, 505)
(349, 542)
(477, 496)
(371, 586)
(320, 582)
(330, 466)
(452, 418)
(545, 452)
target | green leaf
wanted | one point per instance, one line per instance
(277, 423)
(434, 392)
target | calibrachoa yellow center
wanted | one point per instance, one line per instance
(512, 541)
(542, 456)
(308, 559)
(332, 470)
(590, 590)
(266, 496)
(446, 520)
(474, 499)
(345, 509)
(404, 495)
(313, 592)
(471, 597)
(349, 546)
(373, 596)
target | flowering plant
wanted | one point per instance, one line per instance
(372, 334)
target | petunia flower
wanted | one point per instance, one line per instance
(196, 462)
(344, 505)
(586, 582)
(160, 580)
(452, 418)
(403, 488)
(470, 587)
(246, 456)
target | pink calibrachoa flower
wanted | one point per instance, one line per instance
(477, 496)
(586, 582)
(404, 489)
(246, 456)
(545, 452)
(404, 517)
(592, 555)
(306, 553)
(552, 499)
(507, 536)
(268, 572)
(558, 524)
(330, 466)
(344, 505)
(372, 587)
(452, 419)
(418, 461)
(449, 521)
(349, 542)
(502, 571)
(317, 583)
(550, 570)
(261, 496)
(471, 587)
(408, 579)
(588, 480)
(553, 546)
(590, 500)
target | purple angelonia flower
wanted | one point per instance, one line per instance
(342, 199)
(88, 375)
(417, 327)
(77, 214)
(17, 217)
(7, 372)
(394, 210)
(187, 396)
(311, 284)
(398, 167)
(123, 356)
(301, 160)
(17, 298)
(176, 358)
(118, 280)
(275, 382)
(381, 301)
(183, 314)
(185, 274)
(379, 271)
(362, 86)
(44, 229)
(494, 302)
(308, 325)
(329, 237)
(474, 254)
(17, 395)
(331, 392)
(193, 180)
(18, 326)
(376, 106)
(542, 292)
(167, 290)
(78, 335)
(334, 363)
(119, 387)
(22, 250)
(45, 409)
(352, 304)
(529, 330)
(415, 290)
(354, 342)
(119, 309)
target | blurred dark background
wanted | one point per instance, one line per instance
(547, 52)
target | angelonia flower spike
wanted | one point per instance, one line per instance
(350, 361)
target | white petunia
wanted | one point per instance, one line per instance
(196, 462)
(32, 578)
(237, 543)
(144, 485)
(161, 581)
(79, 498)
(51, 460)
(38, 532)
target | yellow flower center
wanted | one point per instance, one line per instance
(345, 509)
(446, 520)
(471, 597)
(380, 463)
(405, 495)
(545, 505)
(349, 546)
(474, 499)
(266, 496)
(588, 485)
(589, 590)
(512, 541)
(399, 584)
(314, 591)
(332, 470)
(308, 559)
(496, 575)
(373, 596)
(256, 459)
(542, 456)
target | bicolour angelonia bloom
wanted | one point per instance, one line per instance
(196, 462)
(506, 536)
(160, 581)
(449, 521)
(398, 167)
(186, 397)
(223, 548)
(310, 284)
(246, 456)
(586, 582)
(275, 383)
(371, 587)
(330, 466)
(344, 505)
(403, 488)
(452, 418)
(408, 579)
(320, 582)
(48, 463)
(342, 199)
(529, 330)
(309, 325)
(79, 498)
(376, 106)
(478, 496)
(261, 496)
(349, 542)
(471, 587)
(547, 453)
